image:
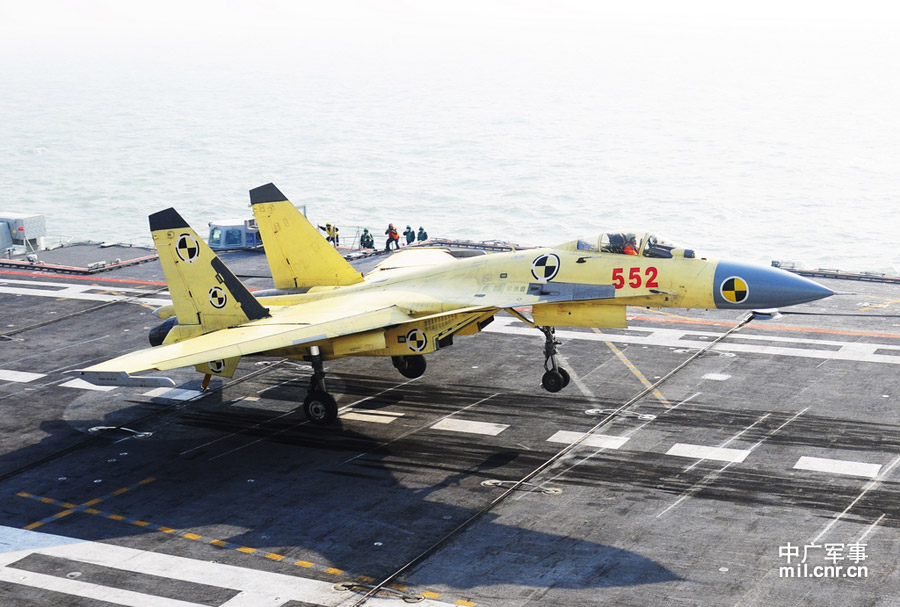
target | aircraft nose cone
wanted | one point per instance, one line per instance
(747, 287)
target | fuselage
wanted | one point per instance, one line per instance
(559, 275)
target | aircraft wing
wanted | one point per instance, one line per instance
(298, 325)
(252, 338)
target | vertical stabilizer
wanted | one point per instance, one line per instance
(299, 256)
(206, 295)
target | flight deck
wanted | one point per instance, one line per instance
(697, 457)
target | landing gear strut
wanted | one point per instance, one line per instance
(319, 406)
(409, 366)
(555, 378)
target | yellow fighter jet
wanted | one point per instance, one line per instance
(415, 302)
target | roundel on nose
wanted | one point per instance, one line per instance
(745, 286)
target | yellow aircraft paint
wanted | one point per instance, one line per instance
(414, 302)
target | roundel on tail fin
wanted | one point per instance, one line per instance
(187, 248)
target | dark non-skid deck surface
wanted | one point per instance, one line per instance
(782, 436)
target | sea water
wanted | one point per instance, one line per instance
(741, 141)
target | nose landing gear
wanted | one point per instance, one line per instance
(555, 377)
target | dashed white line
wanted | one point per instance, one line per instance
(374, 417)
(715, 474)
(600, 441)
(721, 454)
(837, 466)
(469, 427)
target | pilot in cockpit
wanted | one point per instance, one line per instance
(630, 245)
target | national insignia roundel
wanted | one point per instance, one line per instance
(545, 267)
(416, 340)
(217, 297)
(187, 248)
(217, 366)
(735, 289)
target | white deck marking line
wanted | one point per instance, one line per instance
(19, 377)
(371, 416)
(582, 387)
(79, 291)
(601, 449)
(715, 474)
(872, 484)
(676, 338)
(306, 421)
(837, 466)
(83, 385)
(721, 454)
(869, 529)
(469, 427)
(729, 441)
(96, 592)
(257, 587)
(601, 441)
(419, 429)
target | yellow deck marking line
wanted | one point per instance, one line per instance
(70, 507)
(213, 542)
(881, 305)
(637, 372)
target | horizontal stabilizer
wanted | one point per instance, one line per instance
(121, 378)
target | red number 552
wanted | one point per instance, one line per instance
(634, 278)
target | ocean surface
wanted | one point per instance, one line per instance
(743, 141)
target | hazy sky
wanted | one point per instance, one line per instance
(70, 28)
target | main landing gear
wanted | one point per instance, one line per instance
(555, 378)
(410, 366)
(319, 406)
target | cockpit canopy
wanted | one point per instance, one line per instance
(625, 243)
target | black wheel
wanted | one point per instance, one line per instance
(320, 408)
(552, 381)
(410, 366)
(565, 376)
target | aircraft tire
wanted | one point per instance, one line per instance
(320, 408)
(410, 366)
(565, 375)
(553, 381)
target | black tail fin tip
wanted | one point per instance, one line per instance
(266, 193)
(167, 220)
